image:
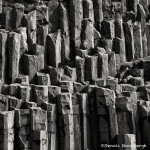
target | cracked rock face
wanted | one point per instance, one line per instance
(74, 74)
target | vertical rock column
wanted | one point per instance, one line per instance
(42, 13)
(40, 94)
(127, 139)
(53, 91)
(30, 66)
(91, 68)
(7, 130)
(7, 18)
(108, 127)
(14, 55)
(138, 45)
(108, 28)
(3, 56)
(39, 129)
(119, 48)
(54, 49)
(146, 70)
(23, 130)
(103, 71)
(93, 118)
(141, 17)
(132, 5)
(40, 141)
(148, 37)
(25, 93)
(145, 45)
(4, 102)
(0, 6)
(51, 125)
(76, 16)
(88, 11)
(38, 51)
(34, 62)
(119, 33)
(65, 34)
(112, 66)
(125, 111)
(42, 32)
(106, 8)
(68, 123)
(80, 68)
(129, 40)
(87, 34)
(119, 41)
(143, 123)
(85, 124)
(76, 122)
(145, 4)
(55, 75)
(17, 15)
(29, 21)
(23, 46)
(98, 13)
(124, 8)
(53, 15)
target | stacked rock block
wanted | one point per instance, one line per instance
(74, 75)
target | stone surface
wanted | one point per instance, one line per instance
(108, 29)
(65, 38)
(90, 68)
(127, 139)
(87, 34)
(53, 15)
(7, 130)
(4, 102)
(30, 69)
(17, 14)
(52, 125)
(29, 21)
(119, 48)
(138, 41)
(88, 11)
(3, 55)
(76, 17)
(129, 41)
(42, 32)
(38, 119)
(74, 74)
(103, 71)
(14, 55)
(43, 79)
(54, 48)
(112, 64)
(40, 94)
(40, 141)
(98, 12)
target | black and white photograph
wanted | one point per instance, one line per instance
(74, 74)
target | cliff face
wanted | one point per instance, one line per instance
(74, 75)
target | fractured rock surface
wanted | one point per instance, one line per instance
(74, 74)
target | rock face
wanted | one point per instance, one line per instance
(54, 48)
(74, 74)
(14, 55)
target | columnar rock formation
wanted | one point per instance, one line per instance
(74, 74)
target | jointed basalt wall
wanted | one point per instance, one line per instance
(74, 74)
